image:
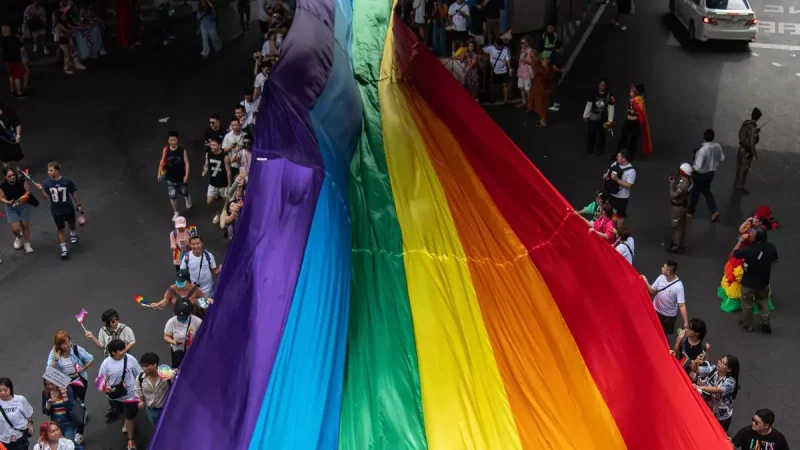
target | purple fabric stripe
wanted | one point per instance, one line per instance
(217, 397)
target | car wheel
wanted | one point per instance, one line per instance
(692, 32)
(672, 7)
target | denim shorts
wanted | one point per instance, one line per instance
(19, 213)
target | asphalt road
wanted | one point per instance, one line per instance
(690, 89)
(102, 125)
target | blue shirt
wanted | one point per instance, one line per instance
(60, 191)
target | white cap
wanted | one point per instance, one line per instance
(686, 168)
(180, 222)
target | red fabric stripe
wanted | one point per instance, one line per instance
(599, 294)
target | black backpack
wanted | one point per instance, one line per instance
(611, 186)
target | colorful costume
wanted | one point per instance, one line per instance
(644, 122)
(730, 288)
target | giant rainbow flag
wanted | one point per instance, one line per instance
(404, 278)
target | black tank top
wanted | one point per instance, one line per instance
(216, 169)
(13, 191)
(175, 166)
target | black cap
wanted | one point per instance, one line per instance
(183, 309)
(183, 275)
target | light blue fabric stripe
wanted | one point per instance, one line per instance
(302, 405)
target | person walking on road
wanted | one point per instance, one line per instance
(61, 191)
(758, 259)
(706, 163)
(174, 169)
(679, 194)
(16, 425)
(207, 15)
(14, 194)
(668, 297)
(760, 434)
(748, 139)
(598, 108)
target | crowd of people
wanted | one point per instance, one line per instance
(130, 383)
(133, 384)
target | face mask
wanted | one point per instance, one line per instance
(182, 319)
(180, 284)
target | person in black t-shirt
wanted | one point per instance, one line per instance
(758, 259)
(492, 13)
(218, 167)
(15, 66)
(214, 130)
(760, 435)
(10, 136)
(174, 170)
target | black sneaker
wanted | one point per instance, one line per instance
(745, 327)
(64, 254)
(73, 238)
(766, 327)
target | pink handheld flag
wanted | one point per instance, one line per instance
(80, 317)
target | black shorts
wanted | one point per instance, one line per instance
(620, 205)
(667, 323)
(462, 36)
(62, 220)
(129, 410)
(263, 26)
(499, 78)
(63, 41)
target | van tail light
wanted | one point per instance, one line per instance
(709, 20)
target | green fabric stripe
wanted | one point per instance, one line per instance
(734, 304)
(381, 405)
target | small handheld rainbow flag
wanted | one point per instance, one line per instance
(192, 229)
(163, 171)
(80, 317)
(140, 300)
(26, 172)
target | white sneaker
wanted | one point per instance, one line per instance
(35, 47)
(623, 28)
(46, 51)
(554, 108)
(215, 219)
(78, 438)
(165, 43)
(188, 201)
(17, 243)
(175, 216)
(102, 51)
(28, 248)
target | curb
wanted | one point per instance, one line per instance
(572, 31)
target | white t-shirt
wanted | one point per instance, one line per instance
(111, 370)
(627, 249)
(126, 336)
(67, 366)
(667, 300)
(459, 22)
(178, 331)
(499, 67)
(628, 176)
(419, 11)
(200, 270)
(259, 82)
(269, 50)
(18, 411)
(235, 142)
(63, 444)
(249, 112)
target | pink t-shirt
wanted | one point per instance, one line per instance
(605, 225)
(179, 243)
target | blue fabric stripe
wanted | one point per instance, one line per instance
(301, 409)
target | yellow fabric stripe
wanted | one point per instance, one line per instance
(463, 399)
(554, 399)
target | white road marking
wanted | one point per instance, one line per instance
(583, 40)
(754, 53)
(791, 48)
(798, 74)
(776, 64)
(673, 41)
